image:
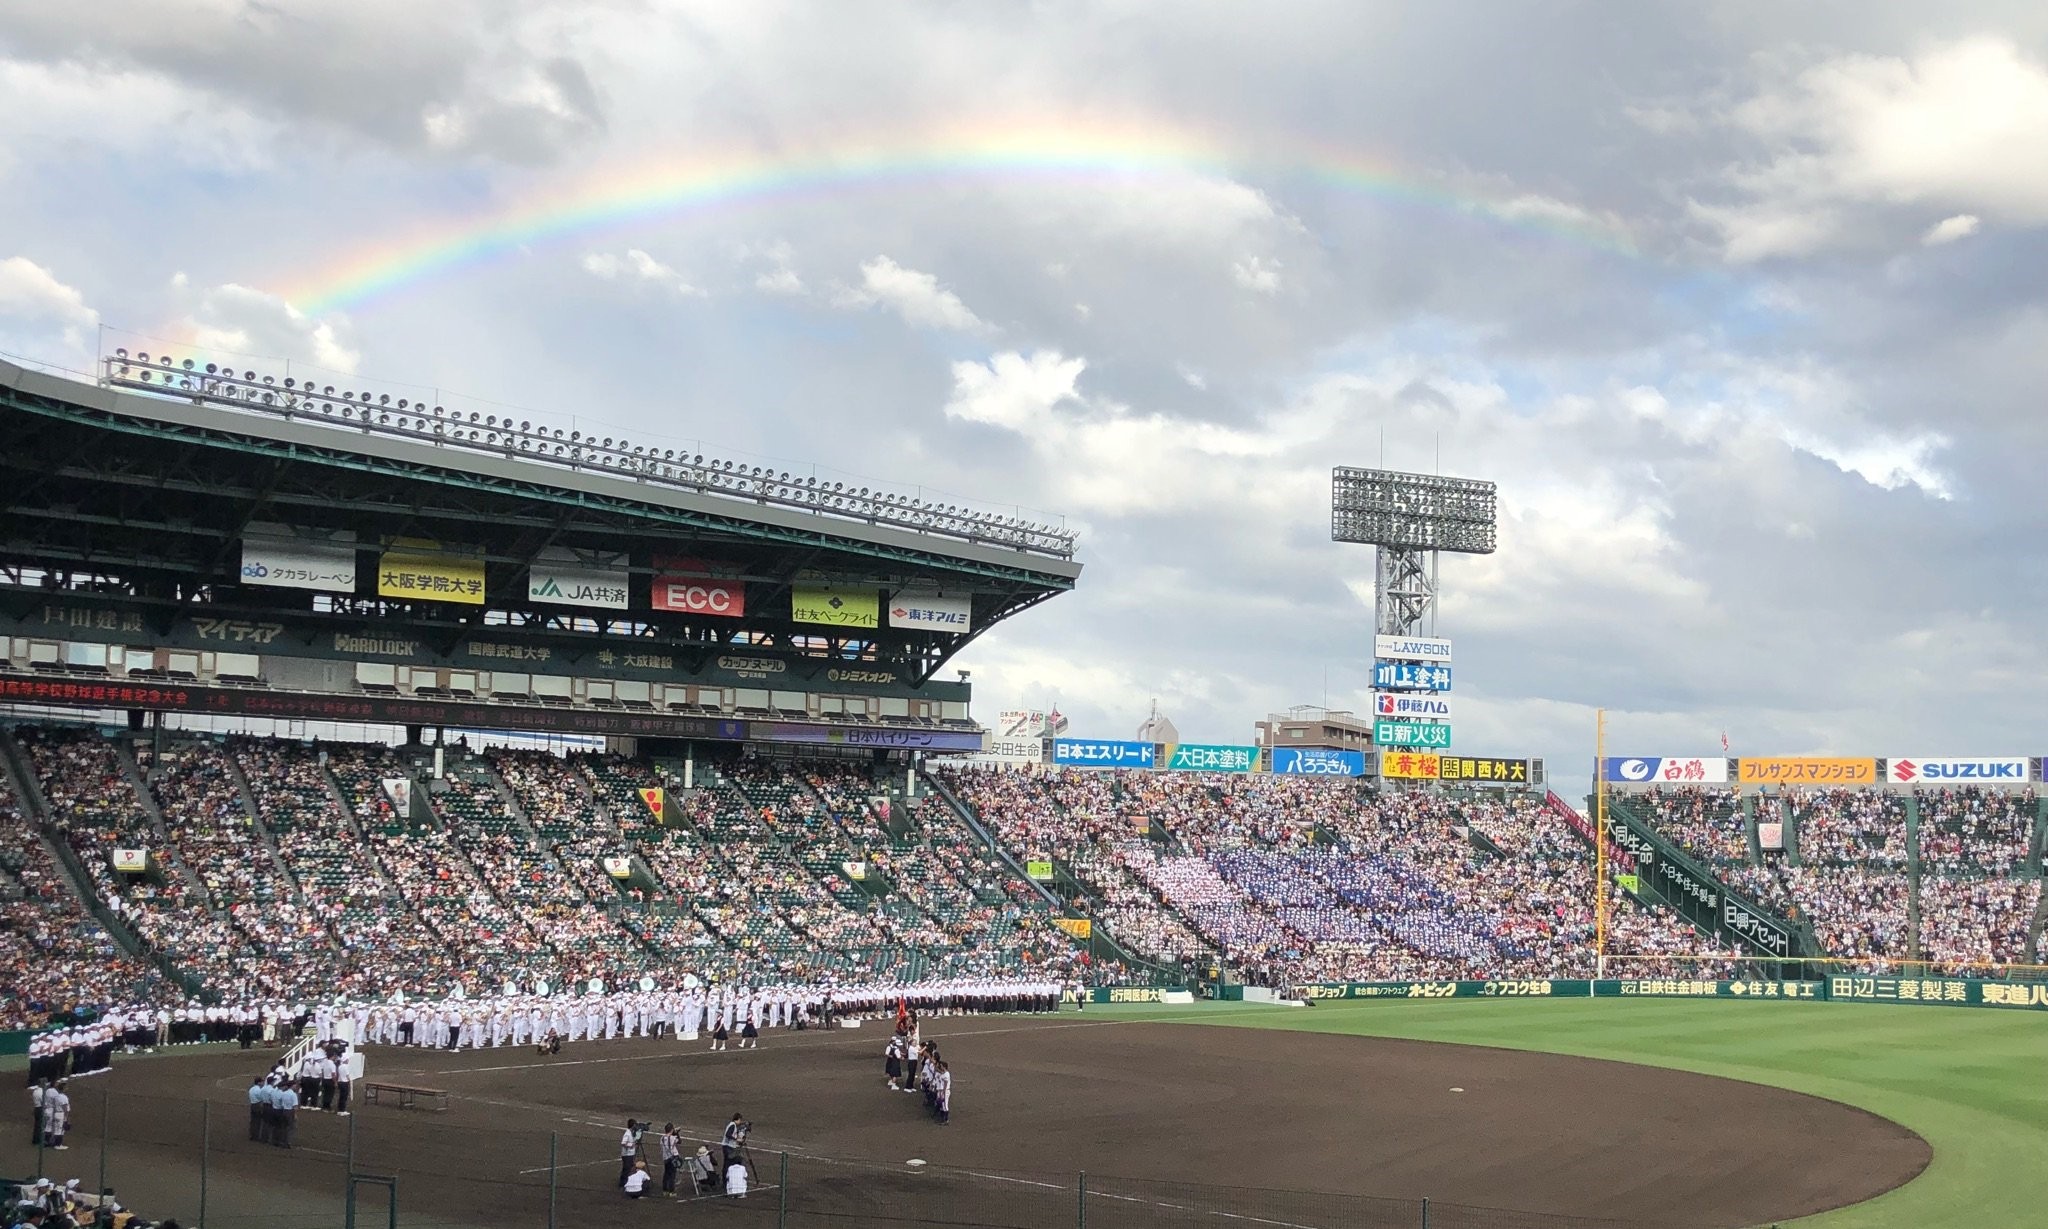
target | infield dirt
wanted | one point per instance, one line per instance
(1173, 1124)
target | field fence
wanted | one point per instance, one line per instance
(206, 1163)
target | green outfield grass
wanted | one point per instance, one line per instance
(1973, 1083)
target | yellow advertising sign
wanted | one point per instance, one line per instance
(812, 601)
(421, 571)
(1410, 765)
(1806, 770)
(655, 798)
(1079, 927)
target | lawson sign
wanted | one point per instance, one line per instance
(1943, 769)
(1318, 762)
(1410, 676)
(1400, 706)
(1411, 648)
(1665, 769)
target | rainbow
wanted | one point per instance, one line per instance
(670, 188)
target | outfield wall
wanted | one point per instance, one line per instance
(1920, 991)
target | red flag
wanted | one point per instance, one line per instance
(902, 1010)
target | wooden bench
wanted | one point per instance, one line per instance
(408, 1094)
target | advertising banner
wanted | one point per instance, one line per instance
(1410, 676)
(425, 571)
(932, 612)
(1943, 991)
(1411, 707)
(1411, 648)
(1039, 869)
(618, 868)
(1665, 769)
(904, 740)
(1408, 766)
(572, 578)
(1203, 757)
(1942, 770)
(1770, 836)
(699, 587)
(273, 555)
(1318, 762)
(1482, 770)
(131, 861)
(1079, 927)
(1432, 735)
(1015, 750)
(1020, 723)
(1695, 988)
(655, 799)
(1102, 753)
(815, 601)
(1631, 884)
(1806, 770)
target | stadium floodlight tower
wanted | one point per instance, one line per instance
(1410, 518)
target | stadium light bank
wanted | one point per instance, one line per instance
(500, 435)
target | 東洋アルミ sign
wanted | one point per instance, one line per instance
(1102, 753)
(1942, 769)
(1318, 762)
(1651, 769)
(1410, 676)
(1430, 735)
(567, 578)
(931, 612)
(1411, 706)
(1411, 648)
(698, 587)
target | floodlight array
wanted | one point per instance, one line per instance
(1412, 511)
(498, 434)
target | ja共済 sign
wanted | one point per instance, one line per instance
(569, 578)
(1410, 676)
(1430, 735)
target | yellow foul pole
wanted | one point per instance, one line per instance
(1600, 844)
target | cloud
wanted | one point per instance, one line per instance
(1948, 230)
(241, 321)
(1256, 273)
(33, 303)
(1855, 135)
(915, 296)
(636, 265)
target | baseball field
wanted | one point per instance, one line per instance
(1533, 1114)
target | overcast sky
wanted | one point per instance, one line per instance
(1741, 304)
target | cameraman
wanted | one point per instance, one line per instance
(629, 1149)
(735, 1139)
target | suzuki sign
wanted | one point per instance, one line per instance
(1943, 770)
(1400, 706)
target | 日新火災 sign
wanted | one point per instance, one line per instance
(1433, 736)
(1410, 676)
